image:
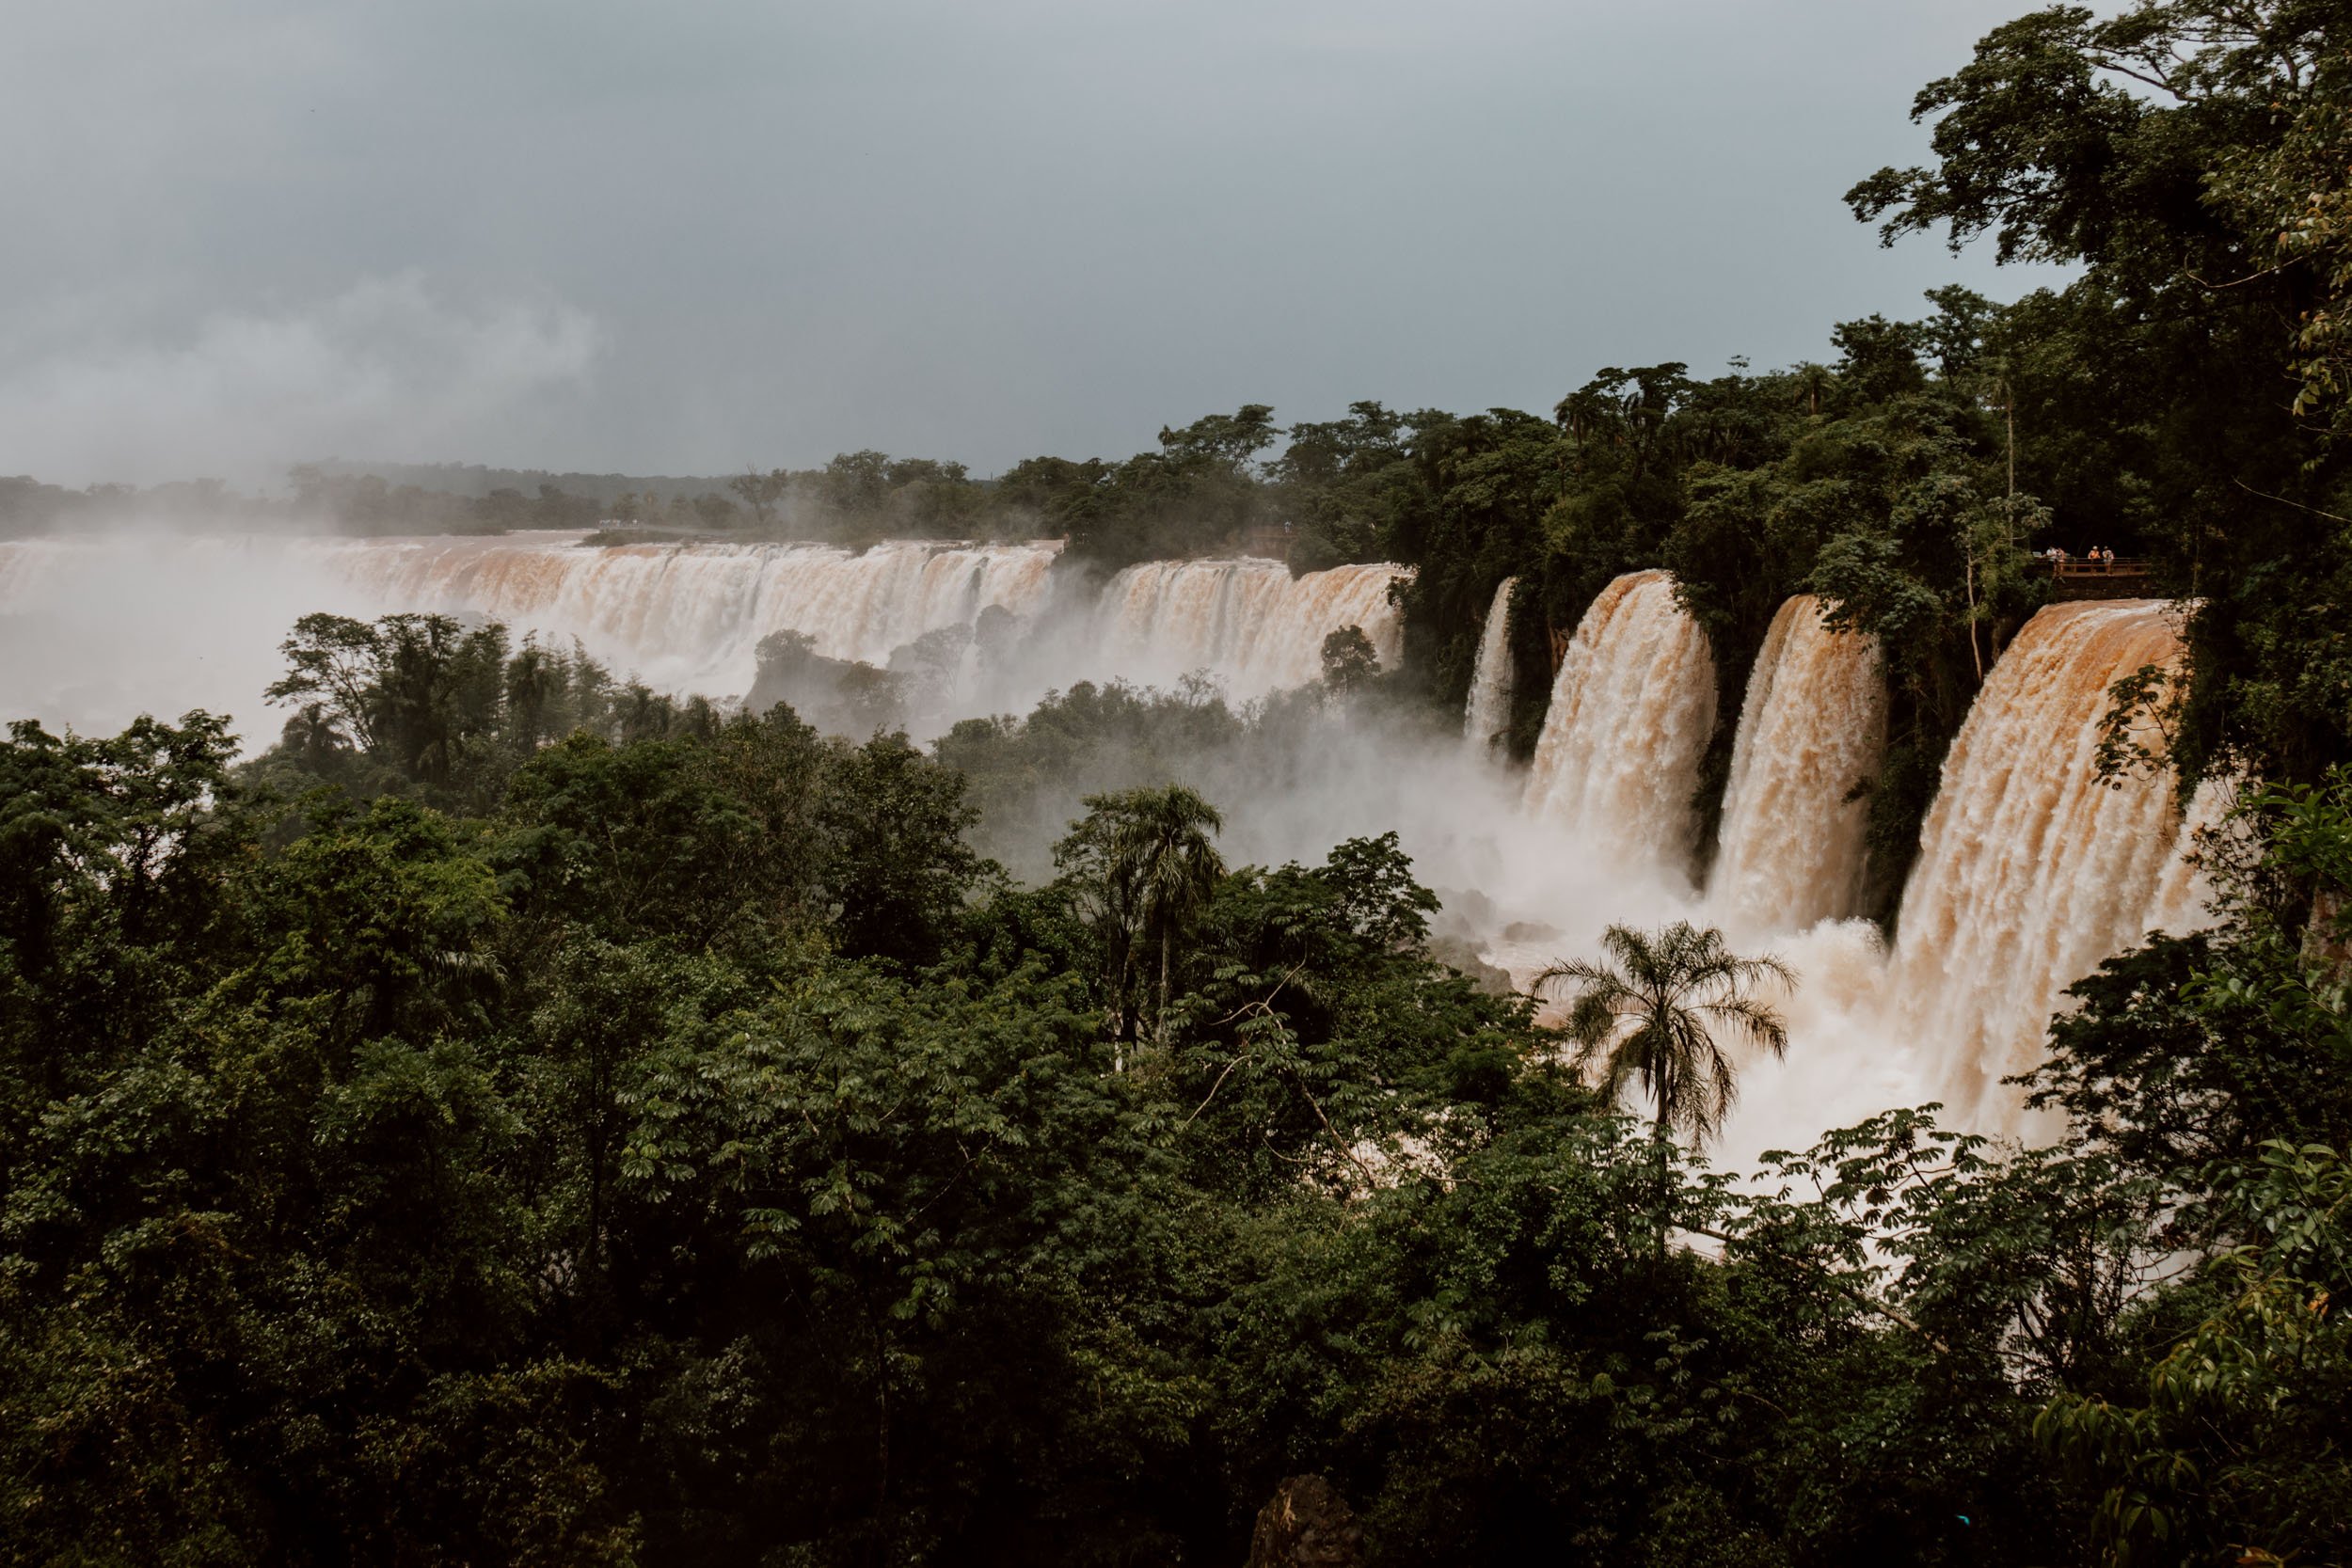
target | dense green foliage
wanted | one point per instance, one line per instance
(691, 1149)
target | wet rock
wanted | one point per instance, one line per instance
(1466, 957)
(1307, 1525)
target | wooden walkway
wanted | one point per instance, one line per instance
(2127, 577)
(1274, 541)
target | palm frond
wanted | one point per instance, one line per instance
(1650, 1011)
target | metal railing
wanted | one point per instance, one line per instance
(2121, 566)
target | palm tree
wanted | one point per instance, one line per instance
(1651, 1012)
(1140, 867)
(1812, 381)
(1160, 850)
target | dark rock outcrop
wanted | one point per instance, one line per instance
(1307, 1525)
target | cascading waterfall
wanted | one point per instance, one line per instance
(2032, 869)
(683, 617)
(1489, 708)
(1813, 725)
(691, 614)
(1630, 713)
(1245, 621)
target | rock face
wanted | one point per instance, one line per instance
(1307, 1525)
(1463, 954)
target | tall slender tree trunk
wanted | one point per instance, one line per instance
(1659, 1140)
(2009, 413)
(1167, 942)
(1976, 653)
(1119, 993)
(881, 1543)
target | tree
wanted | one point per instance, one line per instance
(897, 865)
(2298, 191)
(1230, 441)
(1163, 848)
(2236, 1450)
(332, 667)
(856, 485)
(1143, 863)
(714, 510)
(415, 691)
(1650, 1014)
(1344, 484)
(438, 688)
(1348, 659)
(2074, 137)
(2189, 155)
(760, 492)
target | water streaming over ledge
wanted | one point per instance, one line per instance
(691, 614)
(1488, 711)
(684, 616)
(2032, 869)
(1632, 709)
(1812, 727)
(1244, 620)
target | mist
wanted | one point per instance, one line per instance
(1296, 773)
(387, 366)
(101, 627)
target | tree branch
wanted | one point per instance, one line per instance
(1370, 1180)
(2140, 76)
(2237, 282)
(2284, 502)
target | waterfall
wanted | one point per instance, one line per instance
(1245, 621)
(684, 616)
(690, 615)
(2032, 870)
(1489, 709)
(1813, 725)
(1630, 713)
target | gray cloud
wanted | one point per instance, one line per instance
(971, 231)
(383, 367)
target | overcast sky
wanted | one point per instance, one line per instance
(691, 236)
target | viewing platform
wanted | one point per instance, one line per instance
(1272, 541)
(2124, 577)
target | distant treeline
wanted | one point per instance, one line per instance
(345, 499)
(29, 507)
(1202, 490)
